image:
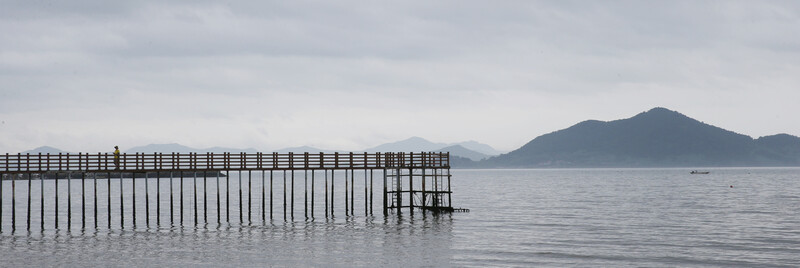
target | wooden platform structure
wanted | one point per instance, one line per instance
(410, 181)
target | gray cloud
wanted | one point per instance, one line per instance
(273, 72)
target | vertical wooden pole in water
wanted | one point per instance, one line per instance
(284, 195)
(249, 196)
(270, 194)
(228, 197)
(366, 201)
(41, 191)
(241, 218)
(108, 195)
(194, 195)
(411, 189)
(292, 200)
(305, 189)
(352, 192)
(371, 190)
(69, 200)
(158, 197)
(312, 192)
(83, 201)
(333, 182)
(205, 186)
(326, 192)
(171, 203)
(397, 190)
(121, 203)
(30, 179)
(146, 201)
(55, 201)
(181, 199)
(219, 207)
(305, 184)
(133, 192)
(205, 196)
(346, 195)
(449, 192)
(94, 180)
(263, 196)
(13, 202)
(423, 188)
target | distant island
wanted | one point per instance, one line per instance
(656, 138)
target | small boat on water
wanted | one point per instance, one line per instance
(699, 172)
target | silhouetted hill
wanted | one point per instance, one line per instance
(44, 150)
(458, 150)
(178, 148)
(781, 146)
(417, 144)
(659, 137)
(304, 149)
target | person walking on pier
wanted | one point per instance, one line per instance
(116, 156)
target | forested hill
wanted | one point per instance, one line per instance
(656, 138)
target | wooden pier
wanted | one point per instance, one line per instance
(196, 188)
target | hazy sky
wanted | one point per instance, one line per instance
(86, 75)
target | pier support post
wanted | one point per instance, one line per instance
(69, 200)
(249, 196)
(219, 207)
(171, 200)
(385, 193)
(41, 185)
(121, 203)
(263, 197)
(146, 201)
(194, 195)
(94, 179)
(30, 181)
(83, 200)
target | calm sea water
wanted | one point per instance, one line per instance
(746, 217)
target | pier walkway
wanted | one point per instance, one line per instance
(186, 188)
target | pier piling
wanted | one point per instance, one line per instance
(403, 174)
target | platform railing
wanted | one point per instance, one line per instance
(91, 162)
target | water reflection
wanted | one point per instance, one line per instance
(419, 240)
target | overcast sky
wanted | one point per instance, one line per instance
(87, 75)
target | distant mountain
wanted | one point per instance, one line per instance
(160, 148)
(45, 150)
(177, 148)
(413, 144)
(230, 150)
(479, 147)
(658, 137)
(303, 149)
(778, 146)
(417, 144)
(458, 150)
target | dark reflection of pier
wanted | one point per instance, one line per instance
(201, 188)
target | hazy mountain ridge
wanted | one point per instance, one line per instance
(658, 137)
(417, 144)
(458, 150)
(44, 150)
(414, 144)
(178, 148)
(655, 138)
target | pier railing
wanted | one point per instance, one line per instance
(102, 162)
(410, 180)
